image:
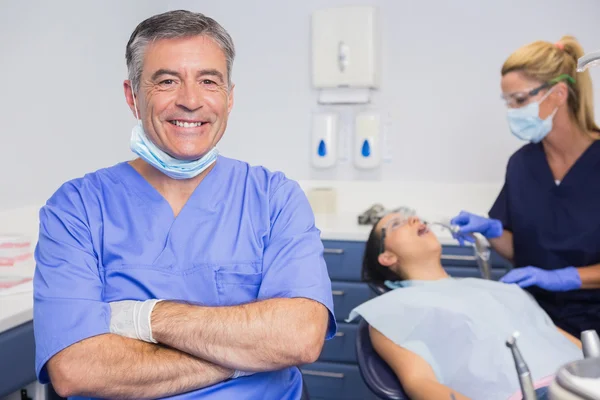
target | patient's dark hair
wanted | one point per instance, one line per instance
(372, 270)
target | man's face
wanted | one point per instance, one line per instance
(184, 99)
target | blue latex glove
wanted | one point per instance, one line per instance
(471, 223)
(558, 280)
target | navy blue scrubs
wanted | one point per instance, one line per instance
(555, 226)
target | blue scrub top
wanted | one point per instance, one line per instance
(245, 234)
(555, 226)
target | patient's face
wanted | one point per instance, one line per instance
(409, 238)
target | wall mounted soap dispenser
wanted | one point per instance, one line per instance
(324, 140)
(367, 143)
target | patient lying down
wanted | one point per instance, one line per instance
(444, 336)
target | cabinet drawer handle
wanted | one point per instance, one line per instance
(337, 292)
(333, 251)
(336, 375)
(458, 258)
(339, 334)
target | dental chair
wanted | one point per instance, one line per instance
(305, 395)
(378, 288)
(376, 374)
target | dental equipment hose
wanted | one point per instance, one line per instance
(525, 379)
(482, 251)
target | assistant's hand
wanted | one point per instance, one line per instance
(131, 318)
(471, 223)
(558, 280)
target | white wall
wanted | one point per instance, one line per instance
(63, 111)
(62, 108)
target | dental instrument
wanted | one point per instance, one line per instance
(588, 60)
(590, 344)
(525, 379)
(482, 250)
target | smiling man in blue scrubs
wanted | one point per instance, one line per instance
(182, 273)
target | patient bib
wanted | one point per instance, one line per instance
(460, 326)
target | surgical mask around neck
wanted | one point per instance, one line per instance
(174, 168)
(526, 124)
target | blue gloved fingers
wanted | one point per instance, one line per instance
(517, 275)
(462, 239)
(468, 222)
(558, 280)
(511, 277)
(528, 281)
(468, 238)
(461, 219)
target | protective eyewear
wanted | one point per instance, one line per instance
(519, 99)
(394, 224)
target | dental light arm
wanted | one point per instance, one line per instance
(588, 60)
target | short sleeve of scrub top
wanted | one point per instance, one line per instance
(501, 207)
(293, 263)
(68, 304)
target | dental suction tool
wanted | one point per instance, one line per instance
(588, 60)
(482, 251)
(590, 344)
(525, 379)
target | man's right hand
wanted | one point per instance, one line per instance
(471, 223)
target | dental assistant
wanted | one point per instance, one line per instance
(182, 273)
(546, 218)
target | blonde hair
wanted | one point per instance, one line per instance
(545, 61)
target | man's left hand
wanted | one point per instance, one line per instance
(558, 280)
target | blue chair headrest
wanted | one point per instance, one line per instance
(378, 288)
(378, 376)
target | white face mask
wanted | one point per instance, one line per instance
(526, 124)
(174, 168)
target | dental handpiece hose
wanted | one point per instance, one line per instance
(482, 251)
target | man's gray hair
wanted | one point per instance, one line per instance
(172, 25)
